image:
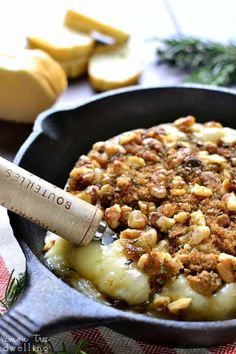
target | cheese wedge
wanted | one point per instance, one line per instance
(87, 18)
(112, 67)
(30, 82)
(62, 43)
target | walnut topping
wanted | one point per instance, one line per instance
(158, 191)
(170, 194)
(112, 216)
(206, 283)
(227, 268)
(181, 304)
(197, 218)
(165, 223)
(137, 220)
(199, 234)
(160, 302)
(181, 217)
(184, 123)
(130, 234)
(135, 161)
(201, 191)
(160, 264)
(231, 202)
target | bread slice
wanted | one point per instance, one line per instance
(62, 43)
(87, 19)
(30, 82)
(112, 67)
(75, 68)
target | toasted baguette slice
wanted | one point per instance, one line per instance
(87, 19)
(63, 43)
(75, 68)
(30, 82)
(112, 67)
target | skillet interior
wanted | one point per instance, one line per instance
(59, 137)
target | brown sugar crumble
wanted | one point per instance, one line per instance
(169, 192)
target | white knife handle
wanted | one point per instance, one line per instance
(47, 205)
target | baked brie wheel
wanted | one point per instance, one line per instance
(169, 193)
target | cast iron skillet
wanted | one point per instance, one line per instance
(48, 304)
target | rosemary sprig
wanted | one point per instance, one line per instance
(209, 62)
(13, 290)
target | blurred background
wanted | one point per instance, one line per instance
(144, 20)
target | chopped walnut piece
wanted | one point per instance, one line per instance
(205, 283)
(101, 158)
(112, 216)
(107, 191)
(133, 252)
(160, 264)
(184, 123)
(165, 223)
(123, 182)
(90, 194)
(125, 212)
(149, 237)
(199, 234)
(146, 207)
(117, 168)
(178, 192)
(226, 186)
(135, 161)
(231, 202)
(181, 217)
(160, 302)
(137, 220)
(130, 234)
(227, 268)
(158, 191)
(201, 191)
(112, 149)
(197, 218)
(127, 138)
(169, 209)
(181, 304)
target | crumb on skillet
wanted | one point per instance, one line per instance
(169, 191)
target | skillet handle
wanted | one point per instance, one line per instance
(15, 329)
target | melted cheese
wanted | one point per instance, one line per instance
(105, 266)
(214, 134)
(221, 305)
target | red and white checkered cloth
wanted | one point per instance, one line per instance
(101, 340)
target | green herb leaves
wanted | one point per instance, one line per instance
(209, 62)
(13, 290)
